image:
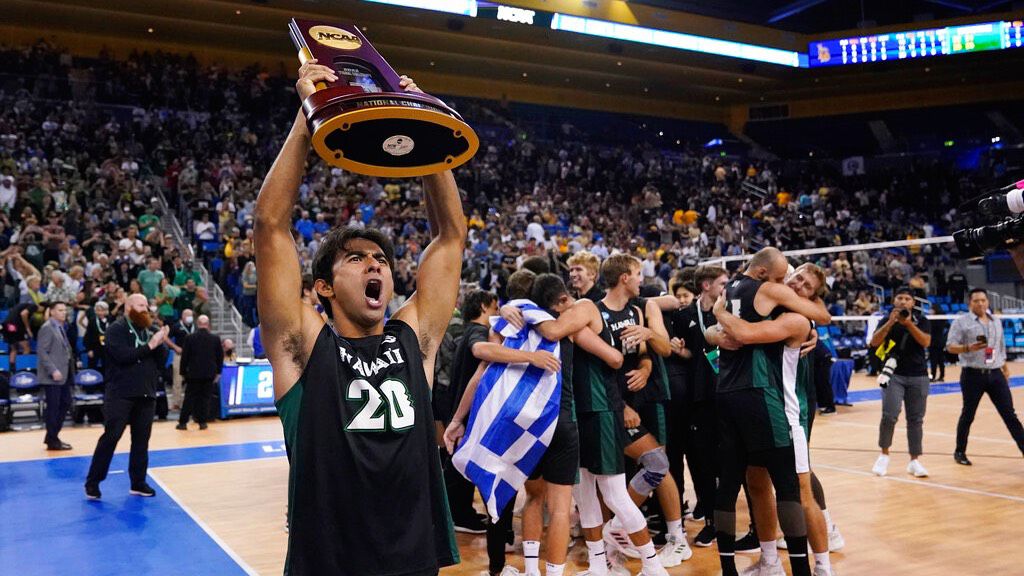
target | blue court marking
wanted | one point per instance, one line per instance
(875, 394)
(50, 529)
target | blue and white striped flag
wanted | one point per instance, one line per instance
(513, 418)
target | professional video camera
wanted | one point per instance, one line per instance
(1005, 207)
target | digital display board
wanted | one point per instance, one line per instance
(247, 389)
(914, 44)
(606, 29)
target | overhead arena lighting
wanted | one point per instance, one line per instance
(460, 7)
(606, 29)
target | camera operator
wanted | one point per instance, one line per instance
(977, 338)
(904, 378)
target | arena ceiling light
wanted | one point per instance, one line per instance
(460, 7)
(605, 29)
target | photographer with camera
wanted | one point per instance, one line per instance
(977, 338)
(904, 378)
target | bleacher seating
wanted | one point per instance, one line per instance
(26, 394)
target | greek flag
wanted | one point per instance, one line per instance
(513, 418)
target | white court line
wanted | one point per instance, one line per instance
(223, 545)
(924, 484)
(926, 432)
(190, 465)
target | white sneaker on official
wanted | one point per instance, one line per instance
(510, 571)
(616, 538)
(781, 543)
(820, 570)
(881, 467)
(762, 568)
(916, 469)
(835, 539)
(674, 552)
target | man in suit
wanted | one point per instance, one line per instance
(202, 357)
(55, 370)
(135, 355)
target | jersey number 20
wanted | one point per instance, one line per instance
(387, 408)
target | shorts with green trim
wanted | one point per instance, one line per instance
(602, 440)
(652, 421)
(755, 419)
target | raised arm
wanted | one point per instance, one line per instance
(577, 317)
(784, 296)
(288, 326)
(430, 308)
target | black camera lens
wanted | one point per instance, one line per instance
(904, 313)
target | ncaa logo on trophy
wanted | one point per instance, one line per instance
(364, 122)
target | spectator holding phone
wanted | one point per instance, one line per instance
(977, 338)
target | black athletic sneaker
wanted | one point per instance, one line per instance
(698, 513)
(748, 543)
(706, 536)
(144, 490)
(472, 525)
(92, 492)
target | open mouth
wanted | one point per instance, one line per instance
(373, 290)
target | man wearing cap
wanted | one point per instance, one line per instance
(903, 338)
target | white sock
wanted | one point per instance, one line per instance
(553, 569)
(828, 520)
(675, 528)
(770, 551)
(597, 557)
(649, 556)
(531, 554)
(823, 561)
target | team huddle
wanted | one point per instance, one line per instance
(354, 395)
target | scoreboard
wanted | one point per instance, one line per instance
(247, 389)
(913, 44)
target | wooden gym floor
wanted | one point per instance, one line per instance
(222, 494)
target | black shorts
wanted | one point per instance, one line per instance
(561, 461)
(12, 338)
(602, 440)
(753, 420)
(652, 421)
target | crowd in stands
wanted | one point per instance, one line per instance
(87, 144)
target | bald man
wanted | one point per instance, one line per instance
(135, 354)
(202, 357)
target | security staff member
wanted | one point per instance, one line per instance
(977, 338)
(135, 355)
(202, 357)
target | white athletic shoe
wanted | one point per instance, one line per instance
(821, 571)
(616, 538)
(781, 543)
(674, 552)
(617, 564)
(762, 568)
(835, 539)
(881, 467)
(655, 571)
(916, 469)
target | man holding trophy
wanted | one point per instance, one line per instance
(365, 490)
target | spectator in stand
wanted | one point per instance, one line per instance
(164, 300)
(202, 358)
(188, 272)
(247, 303)
(18, 330)
(151, 279)
(204, 230)
(201, 302)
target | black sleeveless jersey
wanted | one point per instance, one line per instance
(593, 382)
(365, 495)
(657, 389)
(750, 366)
(617, 321)
(566, 406)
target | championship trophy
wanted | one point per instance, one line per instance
(364, 122)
